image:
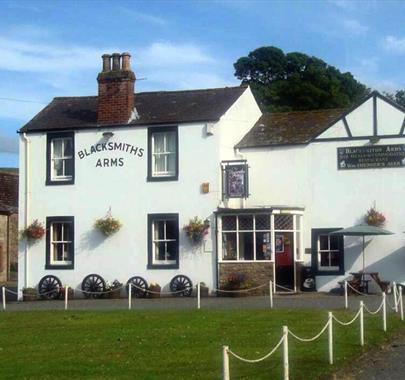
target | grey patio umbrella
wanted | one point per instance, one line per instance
(362, 230)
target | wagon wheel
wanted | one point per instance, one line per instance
(181, 282)
(138, 288)
(93, 283)
(49, 287)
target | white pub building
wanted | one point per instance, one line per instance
(271, 186)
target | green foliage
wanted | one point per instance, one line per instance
(108, 225)
(196, 229)
(296, 82)
(173, 344)
(398, 97)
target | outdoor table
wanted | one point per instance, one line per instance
(364, 281)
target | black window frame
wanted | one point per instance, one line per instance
(151, 131)
(151, 219)
(49, 221)
(49, 137)
(315, 232)
(225, 168)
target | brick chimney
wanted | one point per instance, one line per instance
(115, 89)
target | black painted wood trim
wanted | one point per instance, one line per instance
(49, 221)
(49, 137)
(151, 131)
(401, 132)
(151, 219)
(357, 138)
(375, 126)
(315, 232)
(348, 131)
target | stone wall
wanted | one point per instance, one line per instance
(10, 222)
(257, 274)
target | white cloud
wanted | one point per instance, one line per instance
(346, 5)
(394, 44)
(354, 26)
(144, 17)
(8, 144)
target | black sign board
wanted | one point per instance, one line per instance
(235, 179)
(371, 157)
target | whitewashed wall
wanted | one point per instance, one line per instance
(307, 176)
(131, 198)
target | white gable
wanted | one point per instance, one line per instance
(336, 130)
(375, 116)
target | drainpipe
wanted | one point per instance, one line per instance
(26, 209)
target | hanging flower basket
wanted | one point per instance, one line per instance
(35, 231)
(108, 225)
(374, 218)
(196, 229)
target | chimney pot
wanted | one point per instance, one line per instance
(126, 61)
(106, 62)
(116, 61)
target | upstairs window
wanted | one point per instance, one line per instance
(60, 242)
(163, 154)
(60, 159)
(163, 240)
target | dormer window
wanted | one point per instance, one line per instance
(60, 159)
(163, 154)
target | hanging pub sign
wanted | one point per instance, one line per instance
(235, 179)
(371, 157)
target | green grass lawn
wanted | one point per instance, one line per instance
(171, 344)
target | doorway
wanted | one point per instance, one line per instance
(284, 259)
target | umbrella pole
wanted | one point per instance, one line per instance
(364, 260)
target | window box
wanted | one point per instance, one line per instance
(163, 241)
(163, 154)
(60, 159)
(59, 242)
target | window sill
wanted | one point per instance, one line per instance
(335, 272)
(58, 266)
(163, 266)
(244, 261)
(162, 178)
(52, 182)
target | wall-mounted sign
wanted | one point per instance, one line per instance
(371, 157)
(110, 146)
(235, 179)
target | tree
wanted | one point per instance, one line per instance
(398, 97)
(296, 81)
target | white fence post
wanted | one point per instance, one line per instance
(3, 290)
(225, 363)
(346, 299)
(394, 286)
(129, 296)
(271, 293)
(384, 310)
(198, 296)
(286, 369)
(66, 297)
(401, 304)
(361, 323)
(330, 337)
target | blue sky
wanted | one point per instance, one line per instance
(53, 48)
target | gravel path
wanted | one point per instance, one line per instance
(384, 363)
(319, 301)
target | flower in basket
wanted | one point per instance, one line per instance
(108, 225)
(34, 231)
(196, 229)
(374, 218)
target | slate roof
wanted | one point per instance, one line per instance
(8, 192)
(287, 128)
(161, 107)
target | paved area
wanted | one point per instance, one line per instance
(318, 301)
(384, 363)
